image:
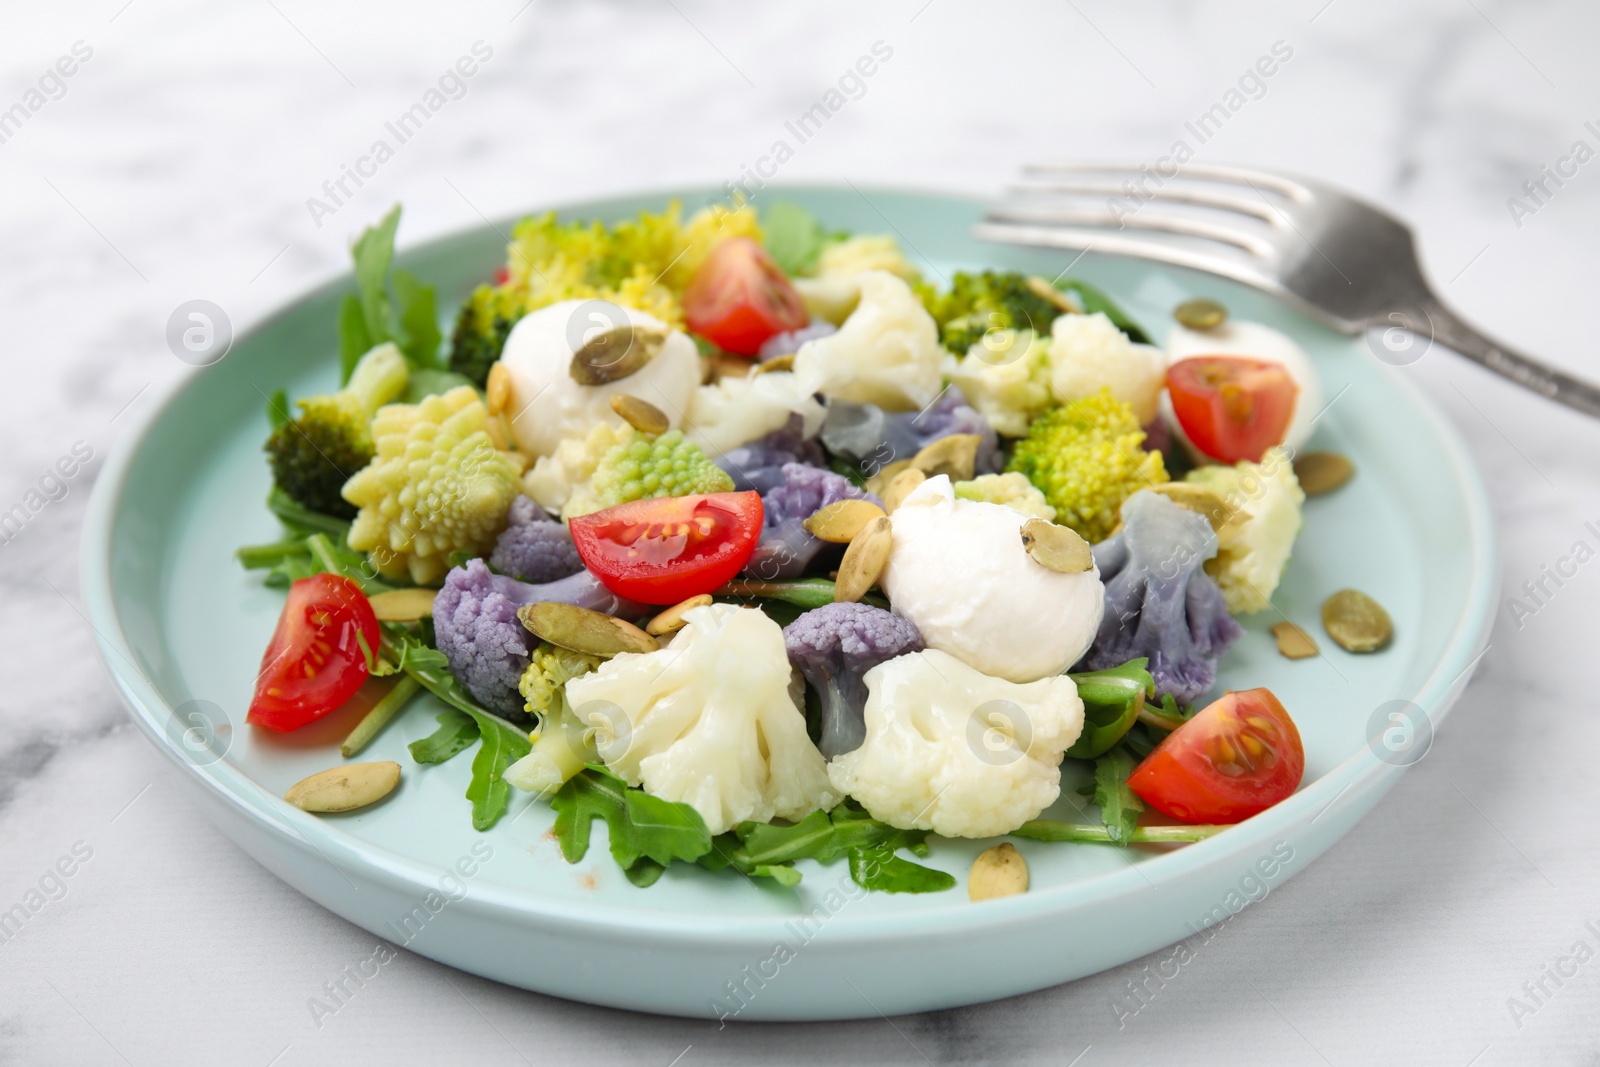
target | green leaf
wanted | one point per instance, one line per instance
(1112, 700)
(419, 320)
(644, 873)
(643, 830)
(1093, 300)
(456, 733)
(502, 745)
(278, 408)
(301, 520)
(1119, 806)
(354, 340)
(794, 238)
(373, 252)
(427, 381)
(878, 868)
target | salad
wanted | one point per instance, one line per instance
(752, 541)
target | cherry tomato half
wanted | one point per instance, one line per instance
(314, 662)
(1239, 756)
(667, 550)
(740, 297)
(1232, 408)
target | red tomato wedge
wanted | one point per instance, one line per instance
(740, 297)
(1239, 756)
(1232, 408)
(667, 550)
(315, 661)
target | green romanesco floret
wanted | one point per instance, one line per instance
(562, 744)
(977, 303)
(436, 485)
(647, 467)
(482, 326)
(1011, 489)
(1085, 457)
(1253, 546)
(314, 455)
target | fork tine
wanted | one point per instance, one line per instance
(1256, 179)
(1161, 222)
(1197, 197)
(1112, 243)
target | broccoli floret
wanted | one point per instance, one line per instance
(435, 486)
(1160, 603)
(475, 625)
(645, 467)
(759, 464)
(834, 647)
(786, 549)
(563, 743)
(482, 326)
(1085, 457)
(534, 547)
(874, 438)
(1011, 489)
(993, 300)
(314, 455)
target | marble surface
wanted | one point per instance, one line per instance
(176, 162)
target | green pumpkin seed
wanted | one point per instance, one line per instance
(1056, 548)
(1356, 622)
(612, 355)
(1322, 472)
(955, 455)
(640, 414)
(839, 522)
(578, 629)
(864, 561)
(1293, 642)
(1200, 314)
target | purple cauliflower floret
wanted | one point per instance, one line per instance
(475, 625)
(834, 646)
(1160, 603)
(759, 464)
(786, 549)
(789, 342)
(534, 547)
(875, 438)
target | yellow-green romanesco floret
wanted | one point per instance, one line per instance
(563, 743)
(1085, 457)
(1011, 489)
(436, 485)
(550, 668)
(1253, 546)
(646, 467)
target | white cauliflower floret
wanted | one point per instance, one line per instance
(886, 353)
(548, 406)
(1254, 545)
(1088, 353)
(555, 479)
(736, 411)
(959, 571)
(709, 721)
(952, 750)
(1006, 376)
(868, 251)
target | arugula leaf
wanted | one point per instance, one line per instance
(419, 320)
(502, 745)
(1119, 806)
(428, 381)
(369, 316)
(301, 520)
(278, 408)
(354, 340)
(1112, 700)
(794, 238)
(456, 733)
(878, 868)
(645, 832)
(1094, 300)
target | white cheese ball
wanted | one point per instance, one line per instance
(1252, 340)
(958, 571)
(548, 406)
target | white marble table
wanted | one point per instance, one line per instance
(176, 161)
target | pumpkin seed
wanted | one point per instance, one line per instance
(1045, 291)
(1293, 642)
(671, 620)
(1200, 314)
(345, 788)
(1322, 472)
(403, 605)
(955, 455)
(997, 872)
(879, 483)
(840, 521)
(578, 629)
(640, 414)
(901, 486)
(783, 362)
(497, 394)
(1057, 548)
(1356, 622)
(1197, 498)
(612, 355)
(863, 561)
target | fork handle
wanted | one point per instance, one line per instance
(1526, 371)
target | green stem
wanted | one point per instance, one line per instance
(295, 514)
(373, 722)
(1151, 717)
(259, 557)
(326, 554)
(805, 593)
(1052, 830)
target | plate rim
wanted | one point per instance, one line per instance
(232, 786)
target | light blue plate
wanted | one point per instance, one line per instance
(182, 628)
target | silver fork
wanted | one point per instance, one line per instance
(1344, 261)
